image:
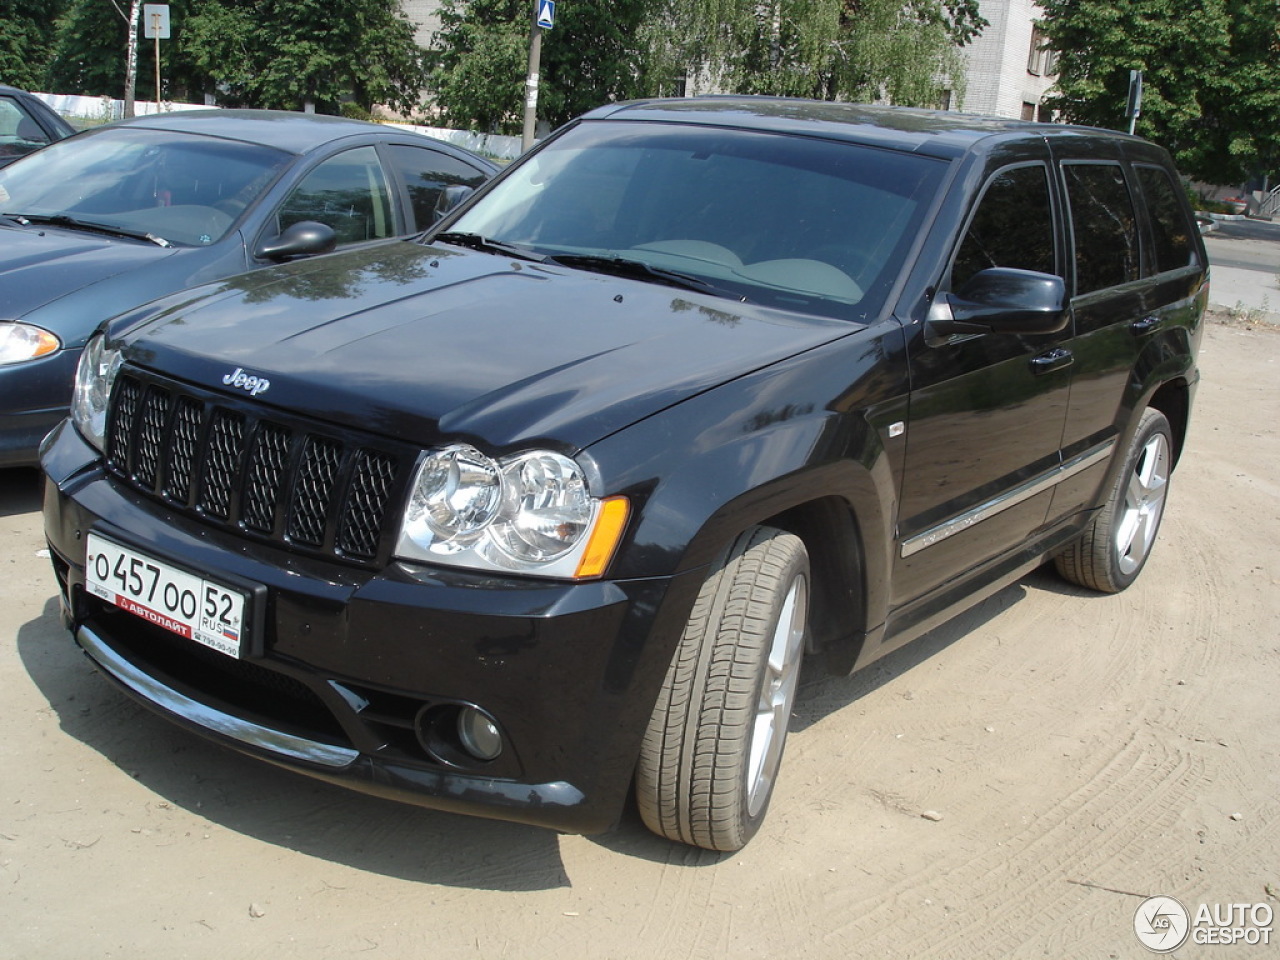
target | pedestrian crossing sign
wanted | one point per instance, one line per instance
(546, 14)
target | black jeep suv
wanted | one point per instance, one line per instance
(549, 504)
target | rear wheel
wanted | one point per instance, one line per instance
(714, 743)
(1113, 549)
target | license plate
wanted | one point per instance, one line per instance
(191, 606)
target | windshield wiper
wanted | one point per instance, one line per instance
(71, 223)
(476, 242)
(640, 270)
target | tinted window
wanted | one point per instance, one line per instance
(792, 222)
(1102, 217)
(1013, 226)
(1169, 227)
(426, 174)
(347, 192)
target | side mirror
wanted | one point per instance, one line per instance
(1002, 300)
(305, 238)
(450, 198)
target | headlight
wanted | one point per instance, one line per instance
(531, 513)
(94, 378)
(21, 341)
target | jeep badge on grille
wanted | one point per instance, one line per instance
(245, 381)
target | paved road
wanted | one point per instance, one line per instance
(1245, 256)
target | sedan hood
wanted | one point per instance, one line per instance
(422, 343)
(39, 265)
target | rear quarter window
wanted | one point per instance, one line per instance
(1173, 248)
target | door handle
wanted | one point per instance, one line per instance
(1050, 360)
(1146, 325)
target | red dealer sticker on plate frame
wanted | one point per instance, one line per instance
(203, 610)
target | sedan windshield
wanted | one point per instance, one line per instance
(183, 189)
(791, 222)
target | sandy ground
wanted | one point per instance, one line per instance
(1083, 752)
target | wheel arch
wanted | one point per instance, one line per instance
(1173, 399)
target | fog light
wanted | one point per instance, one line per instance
(478, 734)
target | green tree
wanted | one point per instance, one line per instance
(905, 52)
(601, 51)
(89, 54)
(596, 53)
(287, 54)
(1211, 71)
(26, 41)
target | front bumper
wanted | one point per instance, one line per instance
(351, 670)
(35, 396)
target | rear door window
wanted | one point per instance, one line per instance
(1104, 225)
(427, 174)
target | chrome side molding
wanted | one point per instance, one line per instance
(1011, 498)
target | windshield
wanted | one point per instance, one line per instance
(184, 189)
(792, 222)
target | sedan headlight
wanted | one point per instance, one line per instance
(20, 342)
(94, 378)
(530, 513)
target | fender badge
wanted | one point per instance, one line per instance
(244, 381)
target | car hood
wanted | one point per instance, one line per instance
(39, 265)
(422, 343)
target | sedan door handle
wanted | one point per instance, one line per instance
(1146, 325)
(1055, 359)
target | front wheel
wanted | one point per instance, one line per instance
(1111, 552)
(714, 743)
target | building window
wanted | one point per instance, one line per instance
(1041, 61)
(944, 100)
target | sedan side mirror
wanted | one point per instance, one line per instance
(305, 238)
(1002, 300)
(450, 197)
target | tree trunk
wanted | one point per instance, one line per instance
(131, 57)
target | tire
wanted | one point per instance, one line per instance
(713, 746)
(1113, 549)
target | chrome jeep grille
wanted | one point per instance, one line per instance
(297, 483)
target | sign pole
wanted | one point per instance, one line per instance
(155, 22)
(155, 26)
(1134, 108)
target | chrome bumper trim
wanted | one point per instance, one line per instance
(170, 700)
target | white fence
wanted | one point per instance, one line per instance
(103, 109)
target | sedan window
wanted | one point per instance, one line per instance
(185, 189)
(19, 132)
(347, 192)
(427, 174)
